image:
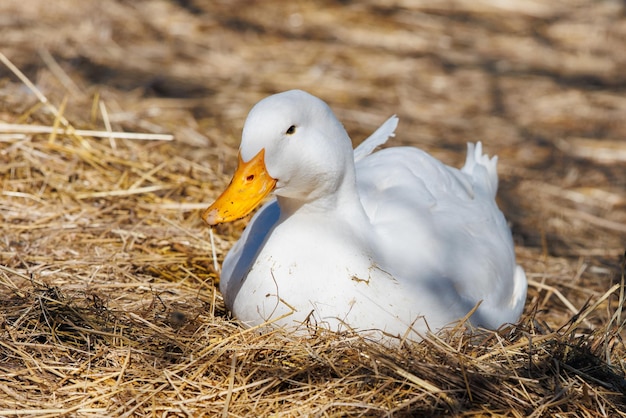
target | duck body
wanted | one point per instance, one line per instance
(393, 241)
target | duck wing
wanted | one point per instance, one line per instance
(440, 231)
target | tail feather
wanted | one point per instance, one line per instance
(481, 168)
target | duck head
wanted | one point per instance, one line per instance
(291, 144)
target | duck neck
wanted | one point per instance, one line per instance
(340, 214)
(341, 202)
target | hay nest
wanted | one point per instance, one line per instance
(108, 300)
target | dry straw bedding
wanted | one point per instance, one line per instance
(108, 300)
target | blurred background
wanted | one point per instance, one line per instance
(541, 83)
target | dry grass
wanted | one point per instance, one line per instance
(108, 300)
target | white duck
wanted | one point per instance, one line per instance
(394, 241)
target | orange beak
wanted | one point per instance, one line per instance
(250, 184)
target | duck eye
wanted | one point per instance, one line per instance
(291, 130)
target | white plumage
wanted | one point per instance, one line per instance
(391, 240)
